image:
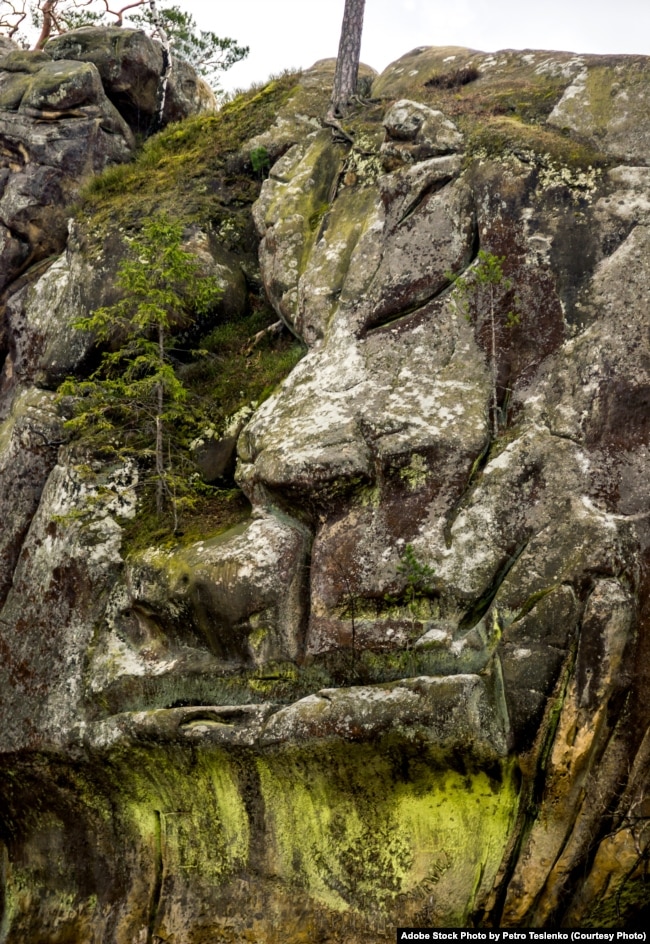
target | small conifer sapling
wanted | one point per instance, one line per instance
(134, 397)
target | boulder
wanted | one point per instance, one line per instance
(66, 114)
(58, 129)
(188, 619)
(130, 66)
(415, 133)
(43, 344)
(607, 103)
(44, 347)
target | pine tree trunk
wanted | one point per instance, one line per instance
(347, 63)
(160, 458)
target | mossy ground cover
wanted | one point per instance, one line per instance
(509, 117)
(503, 111)
(529, 98)
(189, 171)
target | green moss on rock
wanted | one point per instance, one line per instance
(182, 170)
(340, 836)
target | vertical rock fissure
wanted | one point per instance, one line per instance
(253, 797)
(166, 70)
(533, 787)
(624, 739)
(478, 610)
(156, 891)
(477, 467)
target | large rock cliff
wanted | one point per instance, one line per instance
(404, 681)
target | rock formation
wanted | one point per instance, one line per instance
(412, 687)
(67, 113)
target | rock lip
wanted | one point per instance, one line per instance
(453, 712)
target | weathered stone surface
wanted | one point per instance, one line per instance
(57, 129)
(29, 440)
(602, 99)
(225, 267)
(416, 133)
(6, 46)
(239, 597)
(43, 345)
(72, 555)
(215, 451)
(419, 66)
(454, 711)
(573, 801)
(607, 103)
(371, 250)
(413, 687)
(561, 499)
(130, 65)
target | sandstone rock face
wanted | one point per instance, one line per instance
(57, 128)
(65, 115)
(129, 64)
(412, 688)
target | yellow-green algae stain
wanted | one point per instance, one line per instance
(192, 801)
(339, 836)
(371, 830)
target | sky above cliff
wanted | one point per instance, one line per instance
(287, 33)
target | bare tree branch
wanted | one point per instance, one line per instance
(119, 14)
(55, 15)
(11, 16)
(49, 24)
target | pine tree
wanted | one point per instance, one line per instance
(482, 288)
(131, 402)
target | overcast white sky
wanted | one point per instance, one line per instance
(288, 33)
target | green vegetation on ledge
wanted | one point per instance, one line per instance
(197, 173)
(191, 170)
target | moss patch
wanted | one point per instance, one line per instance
(379, 828)
(502, 136)
(188, 170)
(217, 845)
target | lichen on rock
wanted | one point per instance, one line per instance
(409, 687)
